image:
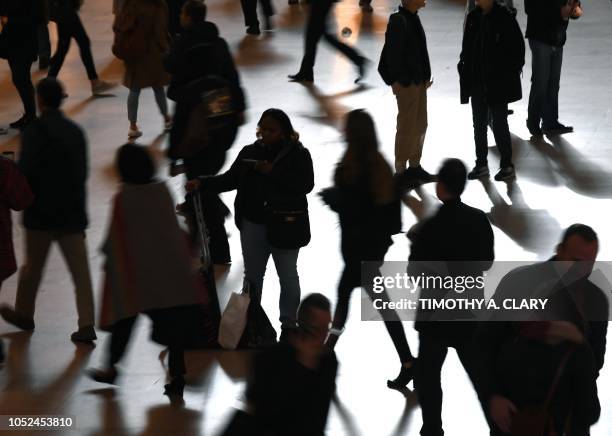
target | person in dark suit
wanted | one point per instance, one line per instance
(490, 67)
(456, 233)
(519, 358)
(316, 27)
(21, 20)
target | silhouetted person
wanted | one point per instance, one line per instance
(249, 9)
(54, 160)
(367, 202)
(456, 233)
(21, 20)
(520, 358)
(148, 275)
(547, 22)
(65, 13)
(200, 62)
(316, 27)
(272, 177)
(405, 61)
(490, 67)
(145, 20)
(174, 13)
(292, 384)
(15, 194)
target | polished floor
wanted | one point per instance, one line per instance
(560, 182)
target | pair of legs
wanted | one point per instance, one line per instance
(411, 124)
(249, 10)
(434, 342)
(546, 61)
(67, 29)
(317, 28)
(20, 74)
(74, 251)
(44, 46)
(481, 110)
(121, 332)
(256, 250)
(355, 250)
(132, 105)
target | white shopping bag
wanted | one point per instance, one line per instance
(234, 318)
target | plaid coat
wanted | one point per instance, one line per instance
(15, 194)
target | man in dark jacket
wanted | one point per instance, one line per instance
(406, 60)
(456, 233)
(21, 20)
(490, 66)
(547, 22)
(577, 311)
(200, 61)
(54, 160)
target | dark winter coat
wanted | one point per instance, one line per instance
(19, 40)
(492, 56)
(545, 23)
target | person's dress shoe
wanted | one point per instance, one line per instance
(107, 376)
(84, 334)
(401, 381)
(22, 122)
(301, 77)
(557, 129)
(505, 173)
(479, 172)
(101, 87)
(534, 129)
(175, 388)
(16, 319)
(253, 30)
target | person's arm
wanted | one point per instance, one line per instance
(31, 152)
(514, 45)
(229, 180)
(582, 373)
(597, 340)
(176, 55)
(396, 37)
(295, 179)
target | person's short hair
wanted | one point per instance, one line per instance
(196, 10)
(135, 165)
(582, 230)
(50, 91)
(283, 120)
(312, 301)
(453, 175)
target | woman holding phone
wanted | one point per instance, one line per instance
(272, 177)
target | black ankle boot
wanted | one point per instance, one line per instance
(175, 388)
(401, 381)
(302, 76)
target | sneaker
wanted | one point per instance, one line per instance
(101, 87)
(478, 172)
(557, 129)
(253, 30)
(12, 317)
(505, 173)
(534, 129)
(84, 334)
(420, 174)
(134, 133)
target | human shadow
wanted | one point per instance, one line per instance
(251, 52)
(332, 112)
(346, 417)
(535, 230)
(581, 174)
(412, 401)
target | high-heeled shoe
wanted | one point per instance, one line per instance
(175, 388)
(302, 77)
(401, 381)
(107, 376)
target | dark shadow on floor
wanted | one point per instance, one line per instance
(251, 52)
(332, 112)
(535, 230)
(412, 402)
(346, 417)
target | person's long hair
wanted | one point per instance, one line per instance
(360, 134)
